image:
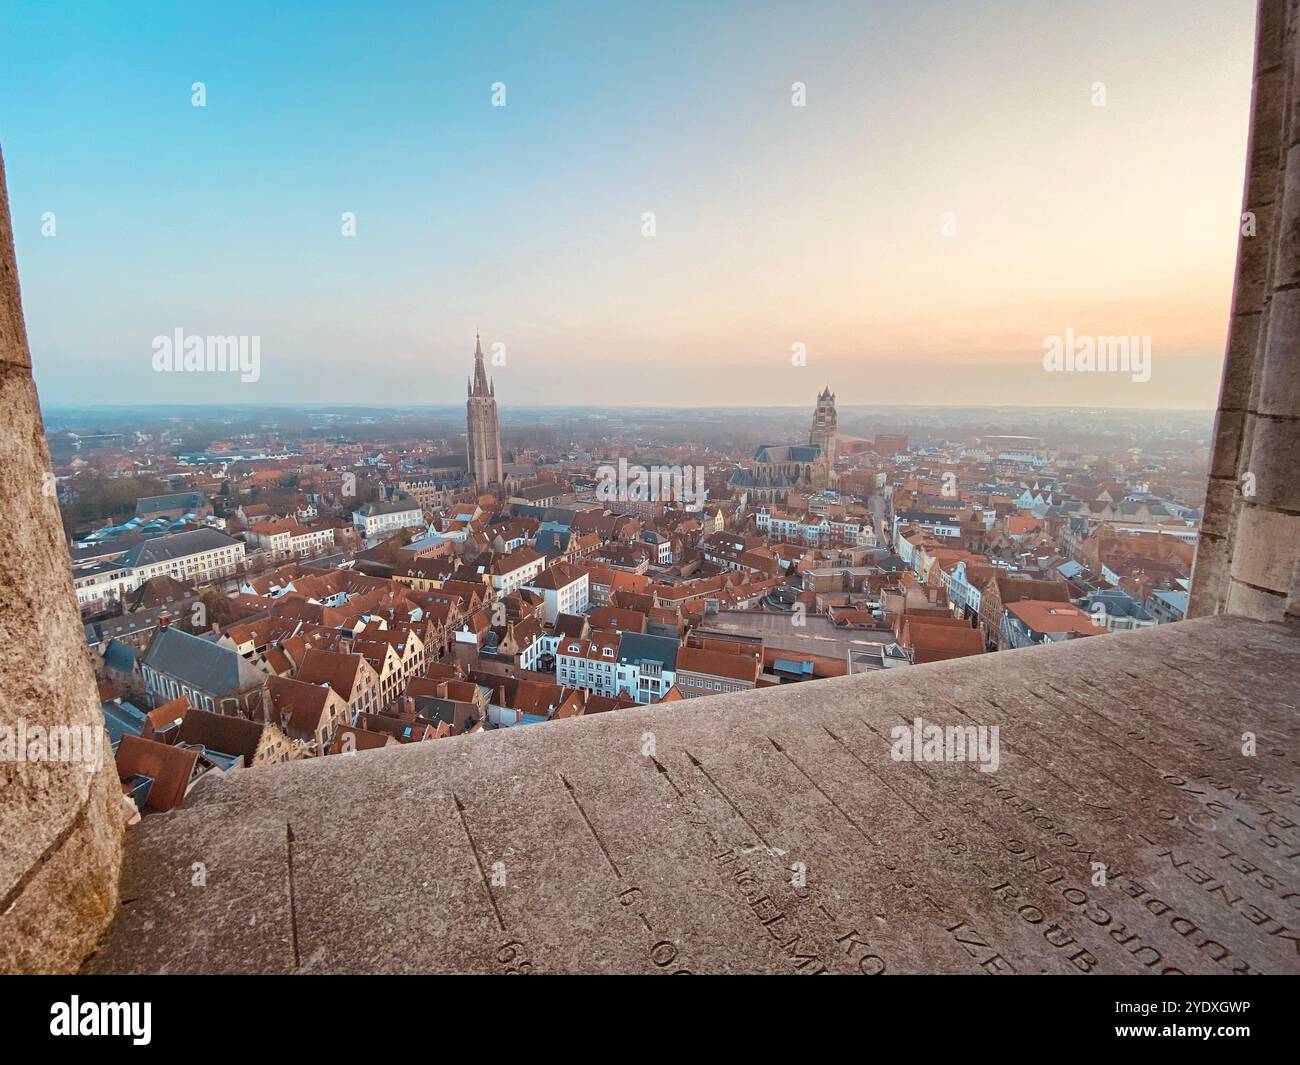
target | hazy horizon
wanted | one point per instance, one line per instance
(453, 406)
(952, 189)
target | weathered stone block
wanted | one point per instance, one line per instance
(1278, 365)
(1259, 556)
(1275, 463)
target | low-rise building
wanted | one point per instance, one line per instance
(647, 666)
(564, 589)
(707, 671)
(590, 663)
(375, 521)
(1030, 622)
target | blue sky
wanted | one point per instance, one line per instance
(775, 225)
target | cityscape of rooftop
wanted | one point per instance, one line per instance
(638, 489)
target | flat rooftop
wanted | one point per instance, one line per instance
(817, 636)
(1123, 831)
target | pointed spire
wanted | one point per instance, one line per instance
(480, 387)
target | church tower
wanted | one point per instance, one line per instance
(825, 426)
(482, 430)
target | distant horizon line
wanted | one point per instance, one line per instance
(322, 405)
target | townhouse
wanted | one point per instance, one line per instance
(646, 666)
(288, 539)
(308, 714)
(589, 663)
(350, 675)
(565, 589)
(513, 570)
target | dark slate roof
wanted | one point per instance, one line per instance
(120, 656)
(639, 647)
(551, 543)
(146, 505)
(1119, 603)
(118, 545)
(559, 516)
(458, 716)
(788, 453)
(220, 733)
(743, 478)
(126, 624)
(177, 545)
(400, 505)
(200, 663)
(123, 719)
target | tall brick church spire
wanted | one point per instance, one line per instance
(482, 429)
(481, 387)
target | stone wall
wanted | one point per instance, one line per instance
(60, 822)
(1247, 560)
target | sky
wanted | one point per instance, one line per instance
(649, 218)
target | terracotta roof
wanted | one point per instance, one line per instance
(347, 738)
(298, 706)
(931, 642)
(168, 714)
(1054, 617)
(1014, 589)
(337, 670)
(170, 767)
(718, 663)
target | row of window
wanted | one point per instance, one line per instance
(710, 685)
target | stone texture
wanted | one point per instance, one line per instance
(60, 825)
(1222, 498)
(1274, 460)
(1278, 369)
(237, 863)
(1229, 426)
(1247, 600)
(1245, 561)
(1238, 367)
(1124, 750)
(1260, 559)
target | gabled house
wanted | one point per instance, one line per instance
(351, 676)
(308, 713)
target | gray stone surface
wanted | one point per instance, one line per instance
(1124, 750)
(60, 825)
(1246, 558)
